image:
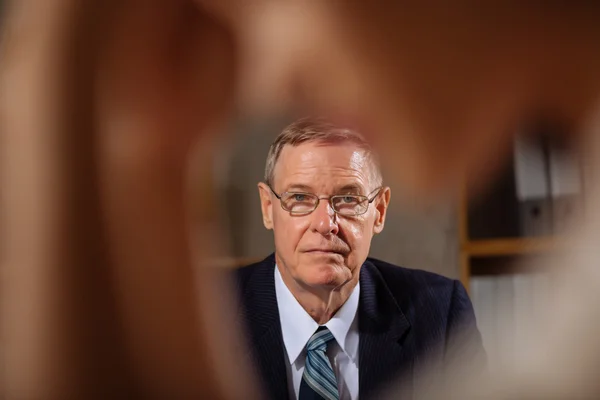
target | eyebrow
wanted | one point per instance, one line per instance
(300, 187)
(350, 188)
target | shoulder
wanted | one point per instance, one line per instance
(257, 273)
(416, 286)
(408, 278)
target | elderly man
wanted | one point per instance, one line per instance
(324, 320)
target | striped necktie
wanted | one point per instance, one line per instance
(318, 380)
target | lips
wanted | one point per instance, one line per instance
(326, 251)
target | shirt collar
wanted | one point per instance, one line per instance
(297, 326)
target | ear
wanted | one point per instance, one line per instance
(381, 206)
(266, 204)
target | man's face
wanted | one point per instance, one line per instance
(322, 249)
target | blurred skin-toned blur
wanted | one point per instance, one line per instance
(111, 116)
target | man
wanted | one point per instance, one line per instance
(324, 320)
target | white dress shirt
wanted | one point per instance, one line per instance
(297, 326)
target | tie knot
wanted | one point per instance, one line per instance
(319, 340)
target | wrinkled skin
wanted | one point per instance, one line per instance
(102, 105)
(319, 255)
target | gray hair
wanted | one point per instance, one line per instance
(310, 129)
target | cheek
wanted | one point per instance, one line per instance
(355, 233)
(288, 231)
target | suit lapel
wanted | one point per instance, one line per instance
(383, 351)
(264, 330)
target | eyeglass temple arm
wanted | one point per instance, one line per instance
(377, 191)
(276, 195)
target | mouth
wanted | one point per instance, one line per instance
(325, 252)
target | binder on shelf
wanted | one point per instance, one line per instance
(532, 183)
(565, 186)
(507, 308)
(484, 297)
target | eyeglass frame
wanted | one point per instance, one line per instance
(329, 199)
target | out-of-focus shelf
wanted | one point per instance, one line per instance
(231, 262)
(512, 246)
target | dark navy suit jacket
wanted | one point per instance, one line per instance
(408, 320)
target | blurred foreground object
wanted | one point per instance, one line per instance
(101, 103)
(438, 89)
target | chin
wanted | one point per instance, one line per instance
(326, 274)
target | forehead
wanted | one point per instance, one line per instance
(318, 163)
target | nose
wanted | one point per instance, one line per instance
(324, 219)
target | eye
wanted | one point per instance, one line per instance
(299, 197)
(349, 199)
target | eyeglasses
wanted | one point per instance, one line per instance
(350, 205)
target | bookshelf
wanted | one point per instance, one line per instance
(510, 246)
(509, 234)
(488, 248)
(471, 248)
(497, 237)
(504, 247)
(232, 262)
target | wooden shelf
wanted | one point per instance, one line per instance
(231, 262)
(511, 246)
